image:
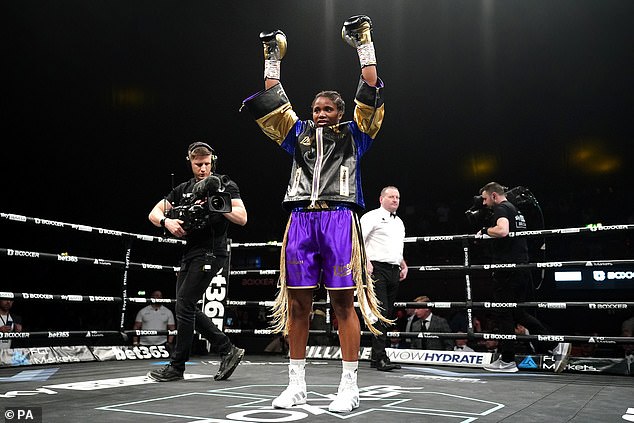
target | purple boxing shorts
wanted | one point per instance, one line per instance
(320, 240)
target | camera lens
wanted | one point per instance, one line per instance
(217, 202)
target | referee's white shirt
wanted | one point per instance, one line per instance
(383, 235)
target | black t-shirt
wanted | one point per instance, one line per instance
(212, 236)
(509, 249)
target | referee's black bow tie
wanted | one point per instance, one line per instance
(392, 214)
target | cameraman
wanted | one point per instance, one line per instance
(512, 284)
(204, 256)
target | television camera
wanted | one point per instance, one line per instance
(521, 197)
(478, 214)
(208, 196)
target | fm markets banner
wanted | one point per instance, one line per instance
(10, 357)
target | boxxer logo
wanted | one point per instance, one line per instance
(620, 275)
(500, 305)
(20, 253)
(600, 275)
(498, 336)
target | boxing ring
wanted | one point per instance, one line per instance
(96, 374)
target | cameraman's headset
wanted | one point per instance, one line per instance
(197, 144)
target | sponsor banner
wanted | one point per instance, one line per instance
(214, 300)
(408, 356)
(596, 275)
(500, 305)
(255, 286)
(125, 352)
(44, 355)
(616, 366)
(535, 362)
(558, 306)
(438, 358)
(538, 362)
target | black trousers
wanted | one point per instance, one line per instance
(191, 283)
(386, 283)
(514, 286)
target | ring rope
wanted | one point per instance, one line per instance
(90, 229)
(9, 252)
(58, 334)
(73, 298)
(256, 244)
(543, 232)
(536, 265)
(444, 305)
(464, 268)
(592, 305)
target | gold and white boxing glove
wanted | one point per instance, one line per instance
(274, 44)
(357, 32)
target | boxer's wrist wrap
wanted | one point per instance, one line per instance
(272, 69)
(366, 54)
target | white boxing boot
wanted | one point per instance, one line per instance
(295, 392)
(347, 395)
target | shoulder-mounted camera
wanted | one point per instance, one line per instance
(208, 196)
(521, 197)
(478, 214)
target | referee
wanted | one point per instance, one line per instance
(383, 235)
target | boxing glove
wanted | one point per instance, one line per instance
(357, 32)
(274, 44)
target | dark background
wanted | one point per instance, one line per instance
(101, 98)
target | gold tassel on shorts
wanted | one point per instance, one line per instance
(365, 293)
(279, 314)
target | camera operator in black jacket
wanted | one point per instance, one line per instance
(512, 284)
(200, 211)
